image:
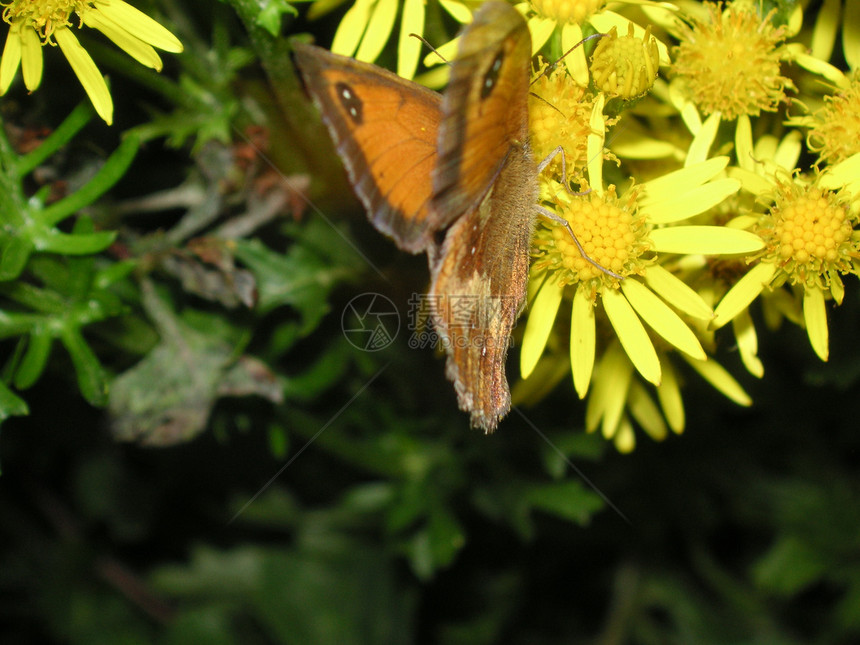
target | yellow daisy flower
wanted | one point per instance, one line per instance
(36, 23)
(628, 235)
(545, 16)
(809, 242)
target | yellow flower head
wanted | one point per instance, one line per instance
(568, 11)
(835, 129)
(730, 63)
(36, 23)
(559, 114)
(625, 67)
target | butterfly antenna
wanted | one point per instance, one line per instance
(430, 47)
(555, 63)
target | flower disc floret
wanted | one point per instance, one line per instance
(625, 67)
(731, 62)
(570, 11)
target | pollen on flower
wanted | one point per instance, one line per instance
(44, 17)
(611, 234)
(808, 232)
(559, 113)
(836, 133)
(571, 11)
(625, 67)
(731, 63)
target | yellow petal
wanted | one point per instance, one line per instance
(458, 11)
(539, 324)
(690, 202)
(624, 437)
(645, 411)
(669, 395)
(716, 375)
(11, 58)
(677, 293)
(139, 25)
(409, 47)
(133, 46)
(661, 318)
(351, 28)
(666, 187)
(31, 58)
(571, 34)
(87, 72)
(703, 140)
(743, 293)
(851, 34)
(541, 29)
(378, 30)
(595, 141)
(744, 143)
(788, 150)
(582, 341)
(707, 240)
(632, 335)
(824, 31)
(611, 384)
(815, 316)
(751, 181)
(747, 340)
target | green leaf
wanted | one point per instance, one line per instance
(269, 17)
(569, 500)
(54, 241)
(14, 252)
(92, 380)
(10, 404)
(35, 359)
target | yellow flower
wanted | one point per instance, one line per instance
(729, 63)
(571, 15)
(809, 242)
(630, 235)
(36, 23)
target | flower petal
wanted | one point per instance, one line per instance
(691, 202)
(677, 293)
(139, 25)
(743, 293)
(11, 58)
(409, 48)
(571, 34)
(31, 58)
(645, 411)
(632, 335)
(703, 140)
(378, 31)
(815, 316)
(667, 187)
(611, 383)
(744, 143)
(131, 45)
(716, 375)
(662, 319)
(707, 240)
(351, 28)
(669, 395)
(747, 340)
(596, 139)
(87, 72)
(582, 341)
(458, 11)
(539, 324)
(541, 29)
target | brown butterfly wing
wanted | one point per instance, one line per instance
(485, 109)
(386, 130)
(485, 166)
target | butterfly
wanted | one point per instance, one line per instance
(451, 175)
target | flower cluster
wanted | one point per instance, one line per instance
(36, 23)
(682, 132)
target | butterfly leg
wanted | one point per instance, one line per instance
(547, 214)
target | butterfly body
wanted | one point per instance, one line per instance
(451, 175)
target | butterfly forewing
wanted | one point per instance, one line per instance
(386, 131)
(485, 109)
